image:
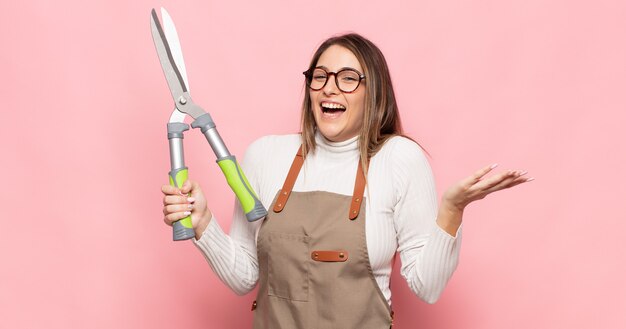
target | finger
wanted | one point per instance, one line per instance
(476, 176)
(174, 208)
(494, 180)
(514, 183)
(171, 190)
(171, 218)
(187, 185)
(176, 199)
(520, 180)
(195, 189)
(506, 183)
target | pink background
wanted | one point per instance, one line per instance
(531, 84)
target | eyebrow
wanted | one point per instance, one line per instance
(343, 68)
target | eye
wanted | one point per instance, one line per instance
(319, 75)
(348, 77)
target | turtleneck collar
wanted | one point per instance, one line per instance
(348, 146)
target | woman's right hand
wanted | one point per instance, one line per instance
(188, 200)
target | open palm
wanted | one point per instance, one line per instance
(476, 186)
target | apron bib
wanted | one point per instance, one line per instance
(314, 270)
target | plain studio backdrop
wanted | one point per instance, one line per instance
(537, 85)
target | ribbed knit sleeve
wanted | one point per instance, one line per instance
(429, 255)
(233, 257)
(233, 261)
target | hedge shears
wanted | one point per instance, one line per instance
(170, 54)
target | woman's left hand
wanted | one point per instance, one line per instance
(474, 187)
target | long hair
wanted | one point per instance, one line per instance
(381, 119)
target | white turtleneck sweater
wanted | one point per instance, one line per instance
(401, 210)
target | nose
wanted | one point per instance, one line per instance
(331, 85)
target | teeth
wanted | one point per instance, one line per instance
(333, 106)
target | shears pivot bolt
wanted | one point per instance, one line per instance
(182, 100)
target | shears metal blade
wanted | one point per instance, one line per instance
(168, 48)
(174, 78)
(171, 57)
(177, 55)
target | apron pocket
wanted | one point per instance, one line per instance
(288, 266)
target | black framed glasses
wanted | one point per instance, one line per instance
(347, 79)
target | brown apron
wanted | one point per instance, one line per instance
(313, 262)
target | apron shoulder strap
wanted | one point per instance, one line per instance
(357, 195)
(290, 181)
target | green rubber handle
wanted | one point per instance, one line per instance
(252, 207)
(182, 229)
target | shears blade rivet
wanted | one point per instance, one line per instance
(182, 100)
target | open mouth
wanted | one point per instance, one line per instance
(332, 108)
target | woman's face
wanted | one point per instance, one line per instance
(338, 115)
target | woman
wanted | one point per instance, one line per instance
(355, 193)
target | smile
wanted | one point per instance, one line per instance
(328, 107)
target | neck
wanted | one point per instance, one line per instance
(350, 145)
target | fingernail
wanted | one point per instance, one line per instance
(187, 213)
(190, 206)
(532, 178)
(493, 166)
(191, 199)
(523, 173)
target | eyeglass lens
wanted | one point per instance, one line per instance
(346, 80)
